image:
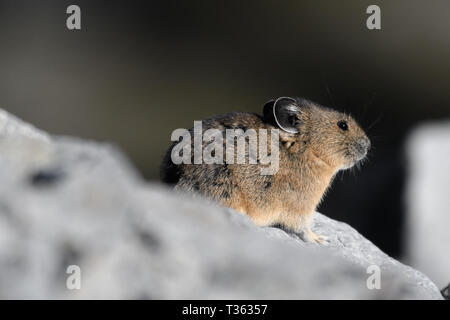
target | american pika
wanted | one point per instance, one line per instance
(314, 143)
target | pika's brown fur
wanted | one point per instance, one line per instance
(315, 142)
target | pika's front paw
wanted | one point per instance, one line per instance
(314, 237)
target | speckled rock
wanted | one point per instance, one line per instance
(65, 202)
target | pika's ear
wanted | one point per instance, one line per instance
(284, 113)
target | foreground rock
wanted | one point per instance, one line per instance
(69, 202)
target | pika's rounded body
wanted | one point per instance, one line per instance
(314, 144)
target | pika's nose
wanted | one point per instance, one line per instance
(364, 145)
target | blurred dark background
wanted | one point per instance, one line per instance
(139, 69)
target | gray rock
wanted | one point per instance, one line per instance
(65, 201)
(446, 292)
(428, 219)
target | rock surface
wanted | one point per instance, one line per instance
(66, 202)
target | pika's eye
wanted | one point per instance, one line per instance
(343, 125)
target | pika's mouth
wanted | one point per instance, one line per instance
(353, 159)
(359, 149)
(360, 156)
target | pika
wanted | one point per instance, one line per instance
(315, 142)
